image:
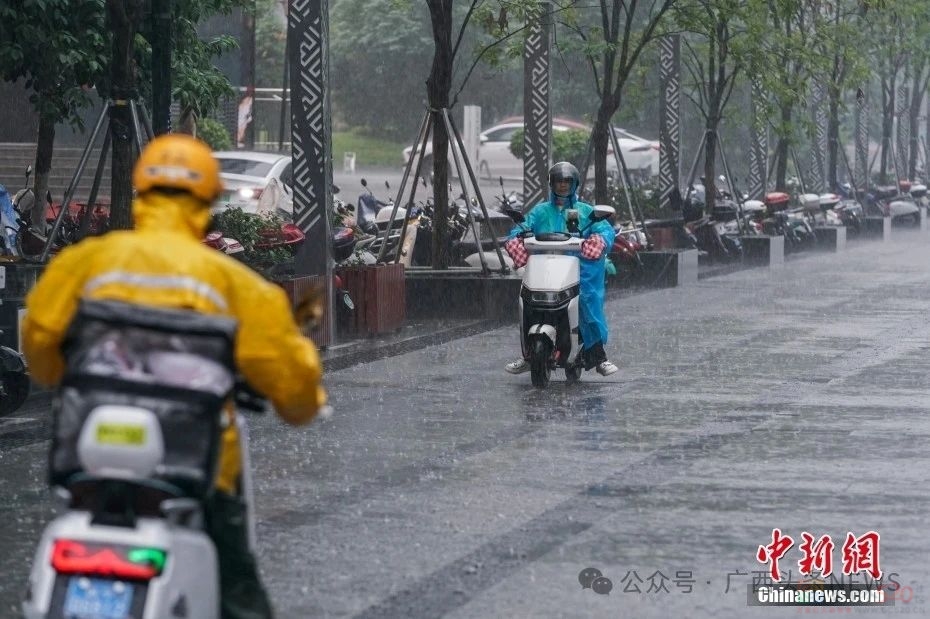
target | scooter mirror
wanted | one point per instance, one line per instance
(364, 183)
(387, 185)
(335, 189)
(602, 212)
(28, 170)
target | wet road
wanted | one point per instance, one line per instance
(793, 398)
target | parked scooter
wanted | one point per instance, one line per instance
(134, 453)
(549, 299)
(373, 216)
(889, 201)
(709, 232)
(14, 380)
(225, 244)
(629, 240)
(30, 242)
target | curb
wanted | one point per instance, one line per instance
(364, 351)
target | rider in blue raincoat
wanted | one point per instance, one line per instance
(550, 217)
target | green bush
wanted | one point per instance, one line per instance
(214, 133)
(566, 145)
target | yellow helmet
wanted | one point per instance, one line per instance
(180, 162)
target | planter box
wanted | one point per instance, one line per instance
(669, 267)
(831, 238)
(379, 294)
(763, 250)
(879, 228)
(295, 287)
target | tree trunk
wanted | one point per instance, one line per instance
(601, 138)
(710, 160)
(888, 104)
(781, 150)
(124, 19)
(187, 123)
(833, 139)
(44, 149)
(887, 137)
(917, 99)
(438, 86)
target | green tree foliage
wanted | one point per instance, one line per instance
(612, 35)
(196, 84)
(64, 47)
(715, 48)
(59, 48)
(270, 42)
(379, 58)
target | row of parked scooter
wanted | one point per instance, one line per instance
(716, 233)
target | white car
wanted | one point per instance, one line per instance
(247, 175)
(495, 159)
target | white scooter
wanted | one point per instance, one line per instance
(134, 451)
(549, 299)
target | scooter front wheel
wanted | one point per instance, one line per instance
(540, 370)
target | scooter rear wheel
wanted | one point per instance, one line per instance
(540, 371)
(15, 391)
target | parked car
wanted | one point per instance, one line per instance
(495, 159)
(247, 174)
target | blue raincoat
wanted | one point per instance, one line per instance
(550, 217)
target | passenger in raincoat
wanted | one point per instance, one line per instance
(550, 217)
(162, 263)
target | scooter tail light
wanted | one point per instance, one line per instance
(72, 557)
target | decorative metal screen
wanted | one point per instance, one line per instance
(818, 141)
(537, 115)
(670, 117)
(902, 148)
(759, 147)
(310, 128)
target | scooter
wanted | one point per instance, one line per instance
(549, 299)
(14, 380)
(134, 454)
(624, 254)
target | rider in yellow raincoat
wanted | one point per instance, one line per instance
(162, 263)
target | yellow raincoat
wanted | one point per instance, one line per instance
(162, 263)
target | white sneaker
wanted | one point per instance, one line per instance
(518, 367)
(606, 368)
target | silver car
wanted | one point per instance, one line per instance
(246, 175)
(495, 159)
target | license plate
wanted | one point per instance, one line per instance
(95, 598)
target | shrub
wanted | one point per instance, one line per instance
(214, 133)
(566, 145)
